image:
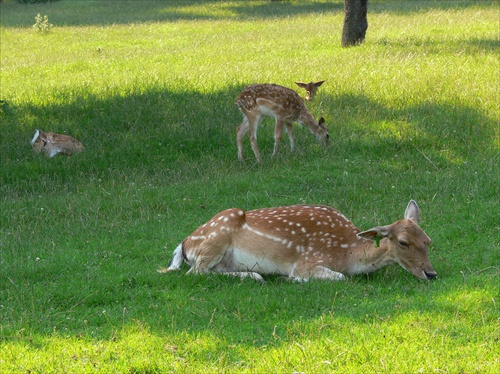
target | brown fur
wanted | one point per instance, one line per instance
(52, 144)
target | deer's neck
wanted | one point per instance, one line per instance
(366, 257)
(308, 120)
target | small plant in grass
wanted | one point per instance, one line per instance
(42, 24)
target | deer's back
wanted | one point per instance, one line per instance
(305, 225)
(279, 95)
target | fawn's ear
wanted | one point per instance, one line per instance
(412, 211)
(300, 84)
(321, 122)
(317, 84)
(42, 135)
(35, 137)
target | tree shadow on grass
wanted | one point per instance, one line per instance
(470, 47)
(112, 12)
(163, 129)
(139, 131)
(80, 13)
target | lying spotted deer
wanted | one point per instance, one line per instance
(52, 144)
(302, 242)
(285, 105)
(311, 89)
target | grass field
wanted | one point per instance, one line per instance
(149, 89)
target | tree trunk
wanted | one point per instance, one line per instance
(355, 22)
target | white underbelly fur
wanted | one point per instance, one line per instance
(266, 111)
(244, 261)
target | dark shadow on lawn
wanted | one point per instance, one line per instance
(472, 46)
(82, 13)
(163, 129)
(114, 12)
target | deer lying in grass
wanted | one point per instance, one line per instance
(52, 144)
(302, 242)
(310, 88)
(285, 105)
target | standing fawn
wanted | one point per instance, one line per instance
(302, 242)
(282, 103)
(310, 88)
(51, 144)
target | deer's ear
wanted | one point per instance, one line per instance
(412, 211)
(317, 84)
(300, 84)
(321, 122)
(374, 233)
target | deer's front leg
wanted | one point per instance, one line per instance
(253, 122)
(240, 134)
(289, 130)
(278, 135)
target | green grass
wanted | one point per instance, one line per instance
(149, 89)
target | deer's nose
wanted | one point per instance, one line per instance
(430, 274)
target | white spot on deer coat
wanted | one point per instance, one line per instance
(199, 237)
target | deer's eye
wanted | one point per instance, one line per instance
(402, 243)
